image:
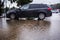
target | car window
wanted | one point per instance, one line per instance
(43, 6)
(25, 6)
(38, 6)
(34, 6)
(49, 6)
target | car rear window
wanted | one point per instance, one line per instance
(38, 6)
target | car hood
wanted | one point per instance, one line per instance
(11, 11)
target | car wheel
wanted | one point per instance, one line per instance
(12, 16)
(41, 16)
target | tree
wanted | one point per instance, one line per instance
(58, 6)
(55, 6)
(6, 9)
(21, 2)
(1, 7)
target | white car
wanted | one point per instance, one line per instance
(55, 11)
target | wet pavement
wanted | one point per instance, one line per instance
(48, 29)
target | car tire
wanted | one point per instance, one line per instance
(12, 16)
(41, 16)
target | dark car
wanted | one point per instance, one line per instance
(39, 11)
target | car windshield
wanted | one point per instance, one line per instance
(25, 6)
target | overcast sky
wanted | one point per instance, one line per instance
(36, 1)
(46, 1)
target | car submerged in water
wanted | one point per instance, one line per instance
(39, 11)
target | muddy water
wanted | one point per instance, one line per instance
(49, 29)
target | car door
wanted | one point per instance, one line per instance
(33, 8)
(30, 12)
(26, 11)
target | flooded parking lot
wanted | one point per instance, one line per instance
(48, 29)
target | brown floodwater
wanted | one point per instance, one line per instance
(48, 29)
